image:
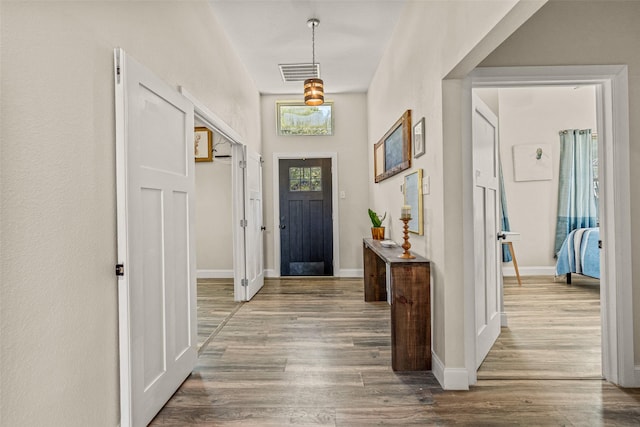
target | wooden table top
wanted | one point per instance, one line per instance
(390, 255)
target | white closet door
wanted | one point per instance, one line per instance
(155, 198)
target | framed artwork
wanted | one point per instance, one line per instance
(297, 118)
(392, 154)
(203, 144)
(418, 139)
(413, 197)
(532, 162)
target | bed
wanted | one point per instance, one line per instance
(580, 253)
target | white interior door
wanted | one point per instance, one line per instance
(486, 227)
(155, 198)
(254, 227)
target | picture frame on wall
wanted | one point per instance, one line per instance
(392, 154)
(418, 139)
(413, 197)
(203, 144)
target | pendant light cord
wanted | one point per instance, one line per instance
(313, 45)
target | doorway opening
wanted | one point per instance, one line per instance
(306, 229)
(612, 119)
(556, 326)
(321, 245)
(215, 288)
(230, 252)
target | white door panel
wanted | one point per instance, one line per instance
(254, 229)
(486, 245)
(156, 187)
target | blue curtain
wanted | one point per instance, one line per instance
(576, 198)
(504, 215)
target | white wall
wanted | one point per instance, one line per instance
(350, 142)
(535, 116)
(58, 304)
(214, 237)
(431, 39)
(589, 33)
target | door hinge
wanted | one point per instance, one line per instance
(118, 66)
(599, 244)
(244, 282)
(119, 269)
(244, 223)
(243, 164)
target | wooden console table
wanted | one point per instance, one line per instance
(404, 283)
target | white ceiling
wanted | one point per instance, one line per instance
(351, 38)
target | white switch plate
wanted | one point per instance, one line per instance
(343, 194)
(426, 186)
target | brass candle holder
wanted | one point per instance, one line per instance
(406, 245)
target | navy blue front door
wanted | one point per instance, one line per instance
(306, 225)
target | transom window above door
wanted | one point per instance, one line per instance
(305, 179)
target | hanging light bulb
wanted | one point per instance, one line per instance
(313, 88)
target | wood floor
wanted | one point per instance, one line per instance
(553, 331)
(312, 352)
(215, 307)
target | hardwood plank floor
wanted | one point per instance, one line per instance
(554, 331)
(309, 352)
(215, 306)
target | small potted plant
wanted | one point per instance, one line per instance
(377, 230)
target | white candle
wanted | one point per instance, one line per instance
(405, 213)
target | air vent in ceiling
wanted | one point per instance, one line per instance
(299, 72)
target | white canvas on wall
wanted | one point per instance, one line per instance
(532, 162)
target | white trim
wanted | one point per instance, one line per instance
(271, 273)
(449, 378)
(509, 271)
(613, 126)
(334, 202)
(238, 151)
(352, 272)
(211, 119)
(215, 274)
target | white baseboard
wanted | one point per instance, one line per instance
(214, 274)
(504, 320)
(449, 378)
(271, 273)
(529, 271)
(636, 383)
(351, 272)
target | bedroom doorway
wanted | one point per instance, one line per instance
(615, 289)
(555, 325)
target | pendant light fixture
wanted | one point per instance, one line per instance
(313, 88)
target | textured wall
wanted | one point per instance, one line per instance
(59, 312)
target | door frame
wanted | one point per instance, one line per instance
(238, 155)
(334, 201)
(611, 83)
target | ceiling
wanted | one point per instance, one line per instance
(350, 40)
